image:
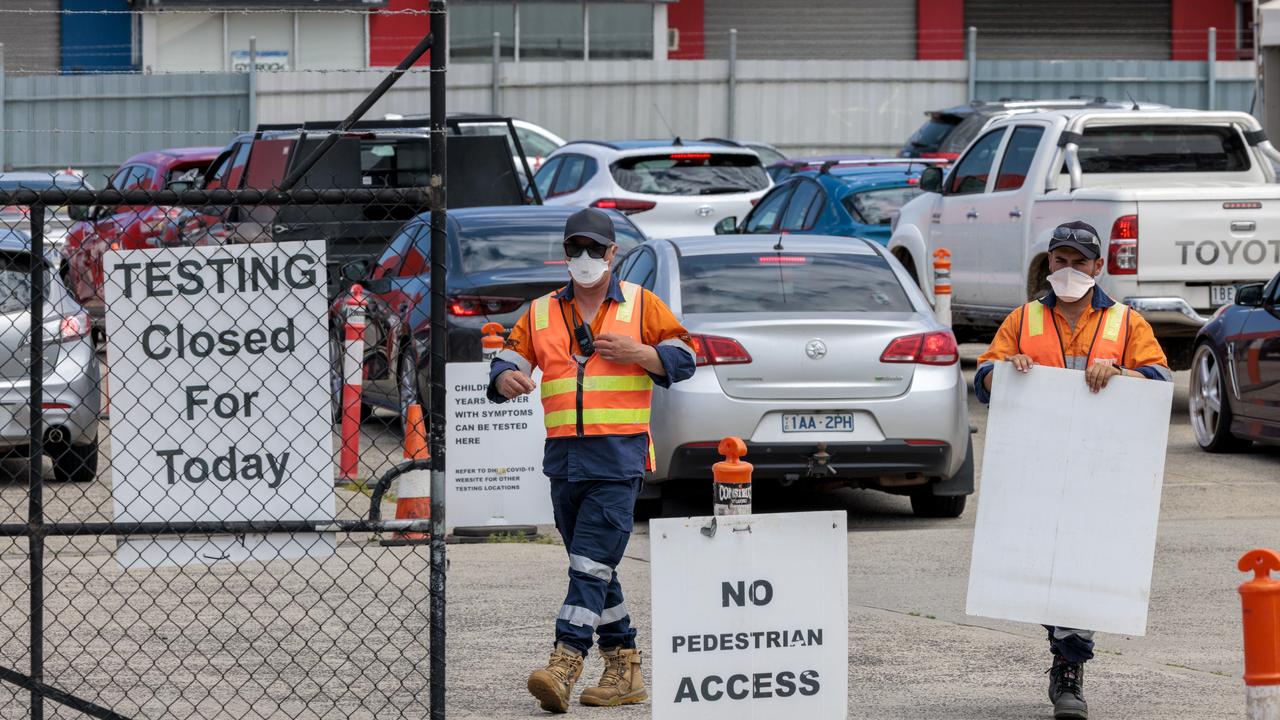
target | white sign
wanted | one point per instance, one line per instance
(1066, 528)
(267, 61)
(220, 396)
(751, 620)
(494, 458)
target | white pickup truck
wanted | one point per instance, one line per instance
(1186, 202)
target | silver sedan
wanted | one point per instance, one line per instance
(819, 352)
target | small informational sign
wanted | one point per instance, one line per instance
(1071, 481)
(220, 397)
(494, 460)
(267, 61)
(750, 617)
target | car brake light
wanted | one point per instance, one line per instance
(782, 260)
(470, 306)
(716, 350)
(934, 348)
(624, 205)
(691, 156)
(1122, 251)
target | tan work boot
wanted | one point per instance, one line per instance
(622, 682)
(553, 684)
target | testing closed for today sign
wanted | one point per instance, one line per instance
(750, 617)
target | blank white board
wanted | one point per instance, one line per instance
(1070, 499)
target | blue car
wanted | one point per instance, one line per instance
(849, 198)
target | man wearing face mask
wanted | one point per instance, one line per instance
(602, 346)
(1076, 326)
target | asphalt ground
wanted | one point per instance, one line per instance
(345, 635)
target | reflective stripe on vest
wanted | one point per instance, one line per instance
(600, 397)
(1039, 336)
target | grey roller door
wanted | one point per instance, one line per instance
(1079, 29)
(812, 30)
(32, 41)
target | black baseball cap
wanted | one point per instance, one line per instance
(590, 223)
(1078, 236)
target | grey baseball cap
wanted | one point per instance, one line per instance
(1078, 236)
(590, 223)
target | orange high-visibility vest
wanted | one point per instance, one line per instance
(1039, 337)
(597, 397)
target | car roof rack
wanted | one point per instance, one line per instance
(601, 143)
(828, 164)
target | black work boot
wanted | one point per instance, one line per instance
(1066, 690)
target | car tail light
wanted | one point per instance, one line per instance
(1122, 252)
(471, 305)
(716, 350)
(69, 327)
(624, 205)
(934, 348)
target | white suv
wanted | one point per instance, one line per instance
(669, 189)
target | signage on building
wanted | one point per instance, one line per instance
(750, 617)
(267, 61)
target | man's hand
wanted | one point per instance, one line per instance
(513, 383)
(1022, 363)
(1100, 373)
(621, 349)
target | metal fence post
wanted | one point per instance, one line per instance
(253, 82)
(1212, 67)
(439, 339)
(731, 106)
(35, 480)
(4, 136)
(972, 52)
(495, 88)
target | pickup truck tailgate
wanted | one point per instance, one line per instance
(1218, 240)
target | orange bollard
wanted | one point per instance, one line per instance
(732, 479)
(942, 285)
(1260, 601)
(492, 341)
(413, 488)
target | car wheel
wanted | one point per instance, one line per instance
(928, 505)
(75, 463)
(337, 380)
(1208, 405)
(407, 377)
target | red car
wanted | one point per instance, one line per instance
(98, 229)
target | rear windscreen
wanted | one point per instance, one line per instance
(522, 244)
(15, 283)
(1162, 149)
(789, 282)
(691, 173)
(876, 207)
(933, 132)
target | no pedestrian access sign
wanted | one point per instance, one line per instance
(750, 617)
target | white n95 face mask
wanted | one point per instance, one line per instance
(1070, 284)
(586, 270)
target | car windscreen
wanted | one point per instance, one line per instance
(933, 132)
(520, 243)
(1162, 149)
(876, 207)
(787, 281)
(690, 173)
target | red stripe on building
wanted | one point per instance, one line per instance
(391, 37)
(686, 19)
(939, 29)
(1190, 21)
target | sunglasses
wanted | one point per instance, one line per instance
(1077, 234)
(594, 250)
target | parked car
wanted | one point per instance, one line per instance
(376, 154)
(536, 141)
(946, 133)
(768, 153)
(127, 227)
(822, 354)
(70, 387)
(1185, 202)
(783, 169)
(669, 189)
(499, 259)
(57, 221)
(856, 198)
(1235, 373)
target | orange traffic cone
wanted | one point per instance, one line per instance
(413, 489)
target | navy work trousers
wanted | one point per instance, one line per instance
(1075, 646)
(594, 518)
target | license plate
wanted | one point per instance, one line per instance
(1222, 294)
(817, 422)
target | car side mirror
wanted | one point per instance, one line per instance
(80, 213)
(181, 185)
(355, 271)
(1249, 295)
(931, 179)
(727, 226)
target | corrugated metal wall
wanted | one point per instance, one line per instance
(93, 122)
(1077, 29)
(816, 29)
(1180, 84)
(31, 40)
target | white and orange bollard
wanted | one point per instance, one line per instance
(491, 342)
(353, 376)
(942, 286)
(1260, 602)
(732, 479)
(413, 488)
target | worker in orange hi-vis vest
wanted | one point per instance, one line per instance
(602, 345)
(1075, 326)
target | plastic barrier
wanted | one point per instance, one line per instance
(1260, 602)
(732, 479)
(942, 285)
(353, 375)
(413, 487)
(492, 340)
